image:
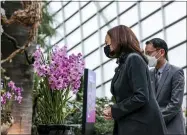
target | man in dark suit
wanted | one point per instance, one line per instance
(168, 82)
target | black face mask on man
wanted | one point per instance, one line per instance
(108, 51)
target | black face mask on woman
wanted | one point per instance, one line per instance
(108, 51)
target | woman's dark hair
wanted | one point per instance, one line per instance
(123, 40)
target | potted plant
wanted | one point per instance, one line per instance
(9, 93)
(59, 79)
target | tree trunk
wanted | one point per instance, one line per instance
(18, 70)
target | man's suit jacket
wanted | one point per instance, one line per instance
(136, 111)
(169, 96)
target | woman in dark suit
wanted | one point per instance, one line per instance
(136, 111)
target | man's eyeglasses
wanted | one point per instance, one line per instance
(151, 52)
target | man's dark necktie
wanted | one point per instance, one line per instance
(157, 77)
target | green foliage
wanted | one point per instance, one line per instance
(46, 28)
(52, 106)
(107, 125)
(7, 107)
(102, 126)
(79, 96)
(76, 116)
(5, 116)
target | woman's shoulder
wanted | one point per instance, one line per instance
(131, 59)
(135, 57)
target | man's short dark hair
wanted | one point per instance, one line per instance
(159, 44)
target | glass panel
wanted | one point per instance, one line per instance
(60, 31)
(109, 69)
(90, 26)
(103, 20)
(166, 1)
(130, 17)
(172, 16)
(83, 3)
(176, 33)
(65, 2)
(74, 38)
(135, 29)
(103, 33)
(110, 12)
(107, 90)
(185, 75)
(159, 35)
(93, 60)
(86, 12)
(71, 8)
(61, 43)
(123, 5)
(185, 99)
(113, 23)
(76, 50)
(148, 7)
(59, 35)
(91, 43)
(110, 25)
(72, 23)
(99, 93)
(54, 6)
(177, 56)
(103, 3)
(57, 19)
(98, 76)
(152, 24)
(47, 40)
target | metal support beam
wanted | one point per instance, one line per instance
(140, 24)
(164, 20)
(117, 10)
(101, 13)
(100, 50)
(64, 26)
(81, 29)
